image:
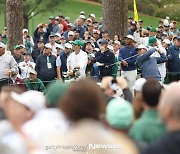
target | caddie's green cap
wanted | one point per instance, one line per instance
(152, 40)
(119, 113)
(55, 92)
(16, 47)
(78, 42)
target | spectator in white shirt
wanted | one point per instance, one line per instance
(26, 66)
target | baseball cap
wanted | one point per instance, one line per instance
(67, 18)
(92, 43)
(22, 46)
(178, 38)
(129, 37)
(59, 46)
(62, 37)
(17, 47)
(27, 54)
(95, 31)
(68, 45)
(119, 113)
(2, 45)
(82, 17)
(32, 71)
(40, 40)
(89, 20)
(167, 41)
(51, 35)
(104, 31)
(55, 92)
(117, 42)
(82, 13)
(92, 15)
(152, 29)
(78, 42)
(138, 85)
(141, 46)
(152, 40)
(25, 30)
(70, 24)
(57, 34)
(27, 99)
(52, 17)
(103, 42)
(47, 45)
(71, 33)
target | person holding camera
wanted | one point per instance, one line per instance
(27, 41)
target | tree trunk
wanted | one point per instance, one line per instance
(26, 21)
(115, 17)
(14, 17)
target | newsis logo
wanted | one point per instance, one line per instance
(105, 146)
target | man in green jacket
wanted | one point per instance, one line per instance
(148, 128)
(33, 83)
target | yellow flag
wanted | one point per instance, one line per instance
(135, 12)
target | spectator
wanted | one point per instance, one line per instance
(69, 28)
(57, 38)
(51, 24)
(52, 44)
(174, 61)
(77, 59)
(41, 33)
(149, 121)
(115, 88)
(17, 54)
(27, 41)
(38, 50)
(46, 65)
(80, 28)
(14, 80)
(25, 66)
(169, 109)
(137, 101)
(127, 56)
(7, 67)
(105, 58)
(33, 83)
(63, 23)
(61, 61)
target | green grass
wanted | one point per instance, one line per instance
(72, 8)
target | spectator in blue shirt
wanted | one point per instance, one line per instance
(174, 61)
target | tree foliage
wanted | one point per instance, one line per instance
(35, 6)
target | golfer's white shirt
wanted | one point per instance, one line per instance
(80, 59)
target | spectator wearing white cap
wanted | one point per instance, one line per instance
(52, 44)
(8, 65)
(33, 83)
(46, 65)
(59, 49)
(27, 41)
(137, 101)
(57, 38)
(92, 17)
(70, 37)
(128, 56)
(61, 61)
(70, 27)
